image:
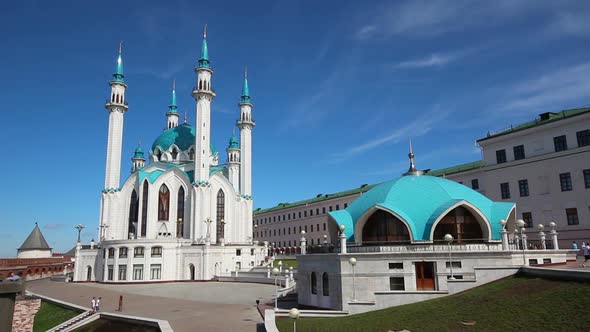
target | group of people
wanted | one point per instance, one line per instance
(585, 249)
(95, 303)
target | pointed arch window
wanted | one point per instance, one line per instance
(163, 203)
(180, 214)
(133, 214)
(191, 154)
(325, 284)
(174, 154)
(314, 283)
(144, 208)
(220, 215)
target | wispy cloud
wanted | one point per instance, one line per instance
(433, 60)
(55, 226)
(420, 126)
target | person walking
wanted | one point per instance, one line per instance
(93, 304)
(98, 304)
(586, 252)
(574, 245)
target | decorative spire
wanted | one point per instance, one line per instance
(118, 75)
(185, 118)
(173, 106)
(233, 140)
(412, 170)
(245, 90)
(204, 59)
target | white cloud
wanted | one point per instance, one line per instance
(433, 60)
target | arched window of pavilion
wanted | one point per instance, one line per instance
(133, 214)
(163, 203)
(383, 227)
(144, 209)
(220, 215)
(461, 224)
(180, 213)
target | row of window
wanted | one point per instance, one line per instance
(138, 252)
(287, 230)
(325, 284)
(559, 144)
(571, 215)
(293, 216)
(155, 272)
(565, 181)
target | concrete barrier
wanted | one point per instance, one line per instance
(556, 274)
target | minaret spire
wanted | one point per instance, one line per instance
(412, 170)
(204, 59)
(245, 90)
(172, 113)
(118, 75)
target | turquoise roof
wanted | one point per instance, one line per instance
(153, 174)
(233, 142)
(204, 59)
(138, 153)
(173, 106)
(182, 136)
(420, 200)
(118, 75)
(245, 91)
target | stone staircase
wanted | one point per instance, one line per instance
(81, 319)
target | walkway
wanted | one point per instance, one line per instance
(194, 306)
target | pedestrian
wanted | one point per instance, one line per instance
(93, 304)
(586, 251)
(98, 304)
(574, 245)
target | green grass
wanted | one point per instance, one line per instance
(51, 315)
(511, 304)
(287, 263)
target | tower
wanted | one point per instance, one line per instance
(203, 94)
(138, 159)
(172, 113)
(233, 161)
(245, 124)
(117, 106)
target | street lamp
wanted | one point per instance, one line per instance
(342, 237)
(352, 262)
(275, 272)
(208, 221)
(449, 239)
(79, 227)
(222, 237)
(280, 266)
(520, 224)
(179, 228)
(294, 314)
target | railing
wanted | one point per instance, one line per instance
(427, 248)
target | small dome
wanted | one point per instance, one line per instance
(182, 136)
(138, 153)
(233, 142)
(420, 200)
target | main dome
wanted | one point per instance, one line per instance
(420, 200)
(182, 136)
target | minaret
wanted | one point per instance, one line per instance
(233, 161)
(138, 159)
(117, 106)
(172, 113)
(203, 94)
(245, 124)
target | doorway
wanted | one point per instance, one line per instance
(425, 276)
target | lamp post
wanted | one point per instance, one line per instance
(342, 239)
(303, 243)
(294, 314)
(208, 221)
(274, 248)
(541, 227)
(275, 273)
(554, 236)
(221, 240)
(352, 262)
(179, 228)
(280, 266)
(520, 224)
(79, 227)
(504, 233)
(449, 239)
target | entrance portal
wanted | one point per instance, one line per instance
(425, 276)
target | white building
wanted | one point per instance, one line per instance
(184, 215)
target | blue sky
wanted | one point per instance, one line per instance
(338, 86)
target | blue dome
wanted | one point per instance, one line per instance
(182, 136)
(420, 200)
(233, 142)
(138, 153)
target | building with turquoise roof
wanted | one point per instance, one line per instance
(182, 205)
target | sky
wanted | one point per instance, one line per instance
(337, 87)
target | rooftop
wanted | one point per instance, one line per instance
(35, 240)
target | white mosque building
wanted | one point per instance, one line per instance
(183, 216)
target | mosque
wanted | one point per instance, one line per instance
(185, 215)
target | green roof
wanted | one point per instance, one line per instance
(544, 118)
(457, 169)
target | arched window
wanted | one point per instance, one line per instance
(325, 284)
(180, 213)
(220, 215)
(163, 203)
(384, 227)
(133, 212)
(314, 283)
(200, 85)
(461, 224)
(174, 154)
(191, 154)
(144, 209)
(88, 273)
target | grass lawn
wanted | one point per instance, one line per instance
(51, 315)
(511, 304)
(287, 263)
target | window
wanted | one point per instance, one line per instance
(396, 266)
(345, 205)
(156, 251)
(560, 143)
(397, 284)
(566, 181)
(324, 226)
(252, 251)
(305, 213)
(325, 284)
(523, 187)
(144, 208)
(475, 184)
(337, 206)
(238, 252)
(311, 213)
(180, 213)
(572, 216)
(138, 252)
(163, 203)
(133, 213)
(330, 207)
(110, 272)
(305, 228)
(122, 252)
(122, 272)
(587, 178)
(317, 211)
(299, 214)
(501, 156)
(528, 219)
(138, 272)
(518, 152)
(456, 265)
(324, 210)
(583, 137)
(505, 190)
(111, 252)
(220, 228)
(156, 271)
(314, 283)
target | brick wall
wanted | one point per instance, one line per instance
(24, 315)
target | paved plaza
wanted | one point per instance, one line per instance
(190, 306)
